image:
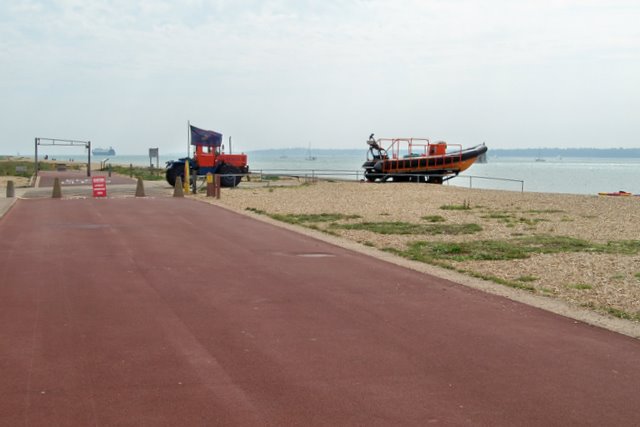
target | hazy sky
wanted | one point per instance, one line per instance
(289, 73)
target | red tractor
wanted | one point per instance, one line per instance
(209, 158)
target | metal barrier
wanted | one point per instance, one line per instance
(350, 175)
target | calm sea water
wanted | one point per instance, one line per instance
(553, 175)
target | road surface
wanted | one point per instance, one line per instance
(168, 311)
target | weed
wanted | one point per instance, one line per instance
(313, 218)
(621, 313)
(254, 210)
(502, 281)
(626, 247)
(465, 206)
(397, 227)
(506, 217)
(486, 250)
(637, 276)
(518, 248)
(527, 279)
(581, 286)
(531, 221)
(543, 211)
(433, 218)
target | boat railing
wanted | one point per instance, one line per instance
(401, 148)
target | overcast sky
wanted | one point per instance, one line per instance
(289, 73)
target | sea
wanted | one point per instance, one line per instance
(568, 175)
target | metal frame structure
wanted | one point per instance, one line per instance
(64, 143)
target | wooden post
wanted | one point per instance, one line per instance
(216, 186)
(210, 190)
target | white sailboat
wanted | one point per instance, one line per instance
(309, 156)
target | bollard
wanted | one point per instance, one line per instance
(178, 191)
(186, 177)
(57, 189)
(140, 188)
(11, 192)
(210, 185)
(130, 170)
(216, 186)
(109, 170)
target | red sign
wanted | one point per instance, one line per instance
(99, 186)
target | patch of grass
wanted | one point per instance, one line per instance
(397, 227)
(617, 277)
(622, 314)
(465, 206)
(433, 218)
(144, 172)
(637, 276)
(254, 210)
(548, 244)
(517, 248)
(531, 221)
(505, 217)
(482, 250)
(501, 281)
(8, 167)
(626, 247)
(581, 286)
(311, 218)
(527, 279)
(544, 211)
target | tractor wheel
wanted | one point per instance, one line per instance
(370, 176)
(176, 170)
(230, 180)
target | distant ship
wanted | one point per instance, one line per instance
(103, 152)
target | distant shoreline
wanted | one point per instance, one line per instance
(493, 152)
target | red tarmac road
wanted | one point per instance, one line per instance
(151, 312)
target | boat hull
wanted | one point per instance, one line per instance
(103, 152)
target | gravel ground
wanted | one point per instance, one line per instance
(598, 282)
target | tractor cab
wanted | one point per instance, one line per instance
(206, 155)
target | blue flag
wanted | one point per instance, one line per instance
(205, 137)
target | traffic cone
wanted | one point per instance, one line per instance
(177, 189)
(57, 189)
(140, 188)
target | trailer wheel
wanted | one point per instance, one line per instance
(232, 179)
(176, 170)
